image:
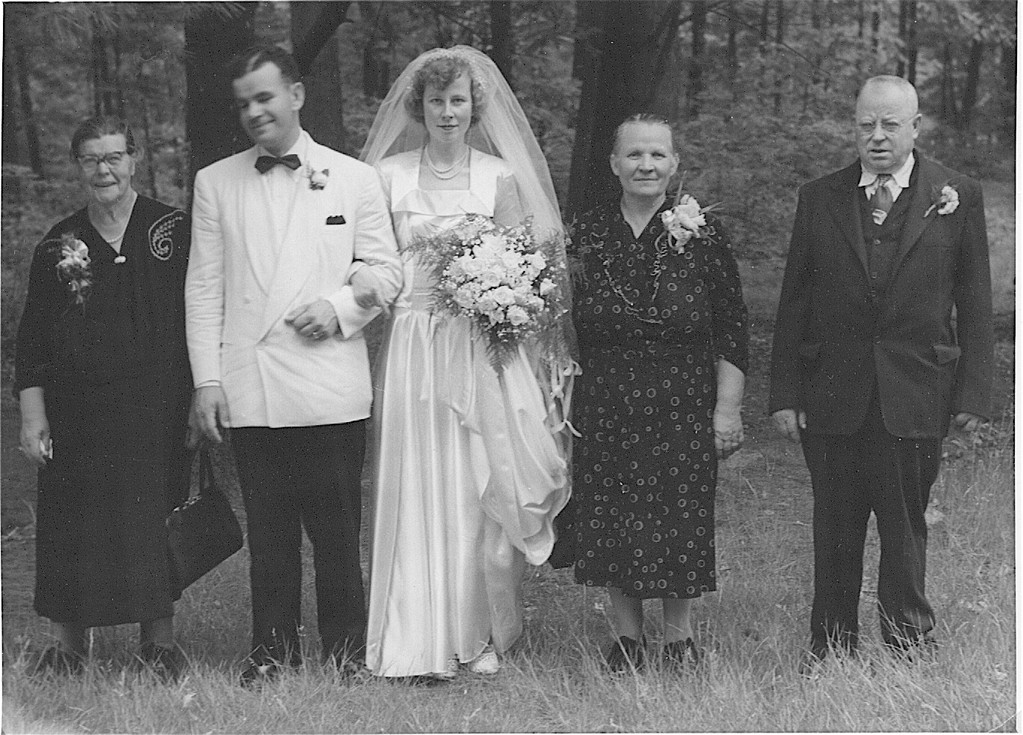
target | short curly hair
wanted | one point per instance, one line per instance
(97, 127)
(440, 73)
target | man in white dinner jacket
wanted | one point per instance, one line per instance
(292, 255)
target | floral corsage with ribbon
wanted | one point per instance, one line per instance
(317, 178)
(684, 221)
(945, 200)
(73, 267)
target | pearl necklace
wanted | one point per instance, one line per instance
(451, 171)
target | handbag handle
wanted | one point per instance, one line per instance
(207, 483)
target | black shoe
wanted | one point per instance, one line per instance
(681, 657)
(257, 673)
(348, 667)
(811, 661)
(56, 661)
(166, 663)
(626, 655)
(921, 648)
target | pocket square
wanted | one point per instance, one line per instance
(336, 219)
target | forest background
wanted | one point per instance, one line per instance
(760, 94)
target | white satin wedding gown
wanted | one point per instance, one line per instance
(468, 475)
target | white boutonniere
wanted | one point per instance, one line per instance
(946, 201)
(317, 179)
(684, 221)
(73, 266)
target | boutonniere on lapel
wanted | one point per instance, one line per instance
(73, 266)
(317, 179)
(945, 200)
(684, 221)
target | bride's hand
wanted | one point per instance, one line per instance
(366, 288)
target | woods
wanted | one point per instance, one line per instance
(159, 64)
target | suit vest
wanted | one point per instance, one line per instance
(882, 241)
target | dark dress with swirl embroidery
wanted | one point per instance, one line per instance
(116, 382)
(651, 325)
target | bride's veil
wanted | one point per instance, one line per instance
(502, 130)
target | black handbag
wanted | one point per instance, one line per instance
(203, 531)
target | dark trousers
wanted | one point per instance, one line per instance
(852, 476)
(307, 476)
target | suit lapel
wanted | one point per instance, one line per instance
(296, 259)
(916, 223)
(846, 211)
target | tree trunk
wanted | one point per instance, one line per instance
(631, 45)
(13, 150)
(911, 44)
(699, 30)
(948, 92)
(502, 40)
(733, 53)
(900, 67)
(117, 90)
(875, 30)
(376, 70)
(35, 158)
(972, 82)
(779, 39)
(323, 114)
(1008, 90)
(211, 40)
(765, 21)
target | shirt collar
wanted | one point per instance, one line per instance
(900, 177)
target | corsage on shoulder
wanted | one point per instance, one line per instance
(73, 266)
(684, 221)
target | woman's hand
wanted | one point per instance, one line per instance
(728, 433)
(366, 287)
(35, 427)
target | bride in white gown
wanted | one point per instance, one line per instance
(471, 467)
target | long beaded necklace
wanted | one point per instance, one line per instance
(657, 268)
(451, 171)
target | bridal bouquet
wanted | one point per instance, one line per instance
(506, 280)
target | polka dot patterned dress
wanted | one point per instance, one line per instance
(651, 324)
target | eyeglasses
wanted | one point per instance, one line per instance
(91, 163)
(888, 126)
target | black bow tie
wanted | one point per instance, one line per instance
(265, 163)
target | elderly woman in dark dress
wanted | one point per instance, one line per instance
(103, 382)
(663, 337)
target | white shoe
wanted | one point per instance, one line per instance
(450, 670)
(486, 663)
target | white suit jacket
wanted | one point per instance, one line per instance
(238, 292)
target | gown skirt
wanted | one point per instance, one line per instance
(468, 481)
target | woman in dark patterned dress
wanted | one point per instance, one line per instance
(663, 336)
(104, 385)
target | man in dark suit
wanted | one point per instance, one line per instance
(883, 334)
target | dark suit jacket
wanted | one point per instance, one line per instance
(839, 331)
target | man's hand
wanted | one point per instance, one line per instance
(314, 321)
(366, 287)
(968, 422)
(208, 416)
(789, 422)
(35, 440)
